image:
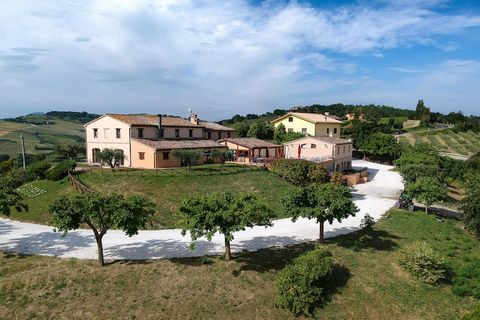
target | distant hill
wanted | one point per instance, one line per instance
(42, 132)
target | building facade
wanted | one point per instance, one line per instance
(312, 124)
(127, 132)
(246, 150)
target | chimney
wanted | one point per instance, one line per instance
(160, 128)
(193, 118)
(326, 116)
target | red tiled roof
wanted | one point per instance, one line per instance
(250, 143)
(310, 117)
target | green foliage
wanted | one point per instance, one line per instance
(111, 157)
(186, 156)
(261, 130)
(322, 202)
(300, 172)
(4, 157)
(70, 150)
(7, 166)
(301, 284)
(473, 315)
(241, 129)
(38, 169)
(222, 154)
(422, 113)
(337, 178)
(367, 222)
(471, 204)
(9, 197)
(101, 213)
(427, 190)
(420, 160)
(281, 136)
(61, 170)
(382, 146)
(466, 280)
(422, 262)
(225, 213)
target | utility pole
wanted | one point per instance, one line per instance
(23, 151)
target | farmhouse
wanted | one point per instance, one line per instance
(248, 149)
(334, 153)
(312, 124)
(147, 140)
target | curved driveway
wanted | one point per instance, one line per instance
(374, 198)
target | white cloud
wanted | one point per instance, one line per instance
(222, 57)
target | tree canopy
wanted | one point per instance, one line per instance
(471, 204)
(186, 156)
(224, 213)
(9, 197)
(382, 146)
(101, 213)
(427, 190)
(322, 202)
(111, 157)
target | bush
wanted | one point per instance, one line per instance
(419, 259)
(473, 315)
(38, 169)
(367, 222)
(7, 166)
(337, 178)
(61, 170)
(300, 285)
(300, 172)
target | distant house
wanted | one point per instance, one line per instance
(352, 116)
(334, 153)
(147, 140)
(313, 124)
(249, 149)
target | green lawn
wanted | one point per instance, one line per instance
(167, 188)
(368, 282)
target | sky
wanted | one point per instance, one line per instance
(221, 58)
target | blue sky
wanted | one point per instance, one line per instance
(220, 58)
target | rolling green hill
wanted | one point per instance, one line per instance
(42, 132)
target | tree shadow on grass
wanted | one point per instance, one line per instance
(380, 240)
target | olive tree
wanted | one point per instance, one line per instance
(427, 191)
(225, 213)
(186, 156)
(9, 197)
(221, 154)
(111, 157)
(101, 213)
(322, 202)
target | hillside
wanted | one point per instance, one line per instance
(42, 132)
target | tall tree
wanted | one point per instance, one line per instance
(427, 191)
(111, 157)
(9, 197)
(101, 213)
(381, 145)
(261, 130)
(70, 150)
(322, 202)
(225, 213)
(186, 156)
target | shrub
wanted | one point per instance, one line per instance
(7, 166)
(337, 178)
(367, 222)
(38, 169)
(300, 172)
(300, 285)
(60, 170)
(422, 262)
(473, 315)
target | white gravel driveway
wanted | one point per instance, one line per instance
(374, 198)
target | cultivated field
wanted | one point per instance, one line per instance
(368, 282)
(447, 141)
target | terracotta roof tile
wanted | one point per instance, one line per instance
(250, 142)
(311, 117)
(179, 144)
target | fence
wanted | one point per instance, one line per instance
(77, 184)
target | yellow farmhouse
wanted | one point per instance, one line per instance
(312, 124)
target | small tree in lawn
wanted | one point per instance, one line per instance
(471, 205)
(70, 150)
(112, 157)
(186, 156)
(225, 213)
(221, 154)
(427, 191)
(101, 213)
(323, 202)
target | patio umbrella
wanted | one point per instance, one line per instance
(299, 150)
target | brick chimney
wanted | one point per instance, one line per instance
(326, 116)
(193, 118)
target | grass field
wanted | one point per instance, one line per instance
(38, 138)
(368, 283)
(462, 143)
(168, 188)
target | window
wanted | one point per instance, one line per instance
(304, 130)
(117, 132)
(105, 133)
(95, 133)
(335, 130)
(228, 134)
(290, 130)
(303, 146)
(177, 133)
(209, 135)
(313, 146)
(343, 149)
(290, 119)
(190, 133)
(328, 130)
(338, 150)
(141, 155)
(163, 133)
(219, 135)
(166, 155)
(140, 132)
